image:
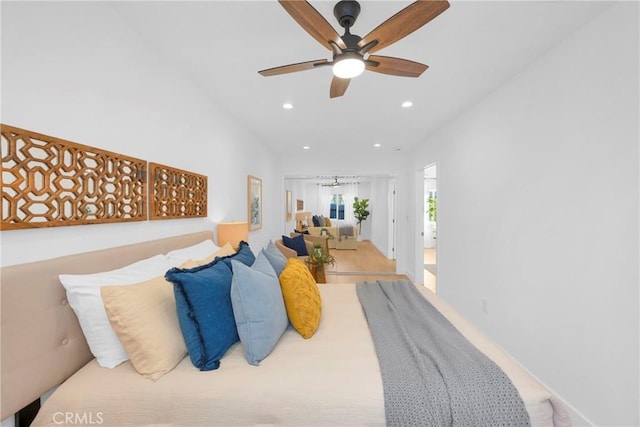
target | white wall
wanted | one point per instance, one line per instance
(75, 71)
(538, 189)
(376, 227)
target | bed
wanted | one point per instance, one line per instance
(330, 379)
(342, 235)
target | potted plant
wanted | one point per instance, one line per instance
(316, 261)
(360, 211)
(325, 233)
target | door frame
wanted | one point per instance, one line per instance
(392, 237)
(420, 197)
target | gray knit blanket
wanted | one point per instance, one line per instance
(345, 231)
(432, 375)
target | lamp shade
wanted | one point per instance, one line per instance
(233, 233)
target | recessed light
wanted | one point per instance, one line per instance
(287, 106)
(306, 147)
(377, 145)
(407, 104)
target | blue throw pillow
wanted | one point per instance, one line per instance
(296, 243)
(275, 257)
(243, 254)
(316, 222)
(258, 307)
(205, 313)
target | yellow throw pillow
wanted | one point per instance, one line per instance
(301, 297)
(145, 320)
(226, 250)
(327, 222)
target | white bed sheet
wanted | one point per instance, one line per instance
(332, 379)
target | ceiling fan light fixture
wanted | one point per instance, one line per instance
(349, 67)
(335, 183)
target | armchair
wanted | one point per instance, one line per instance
(315, 240)
(290, 253)
(309, 242)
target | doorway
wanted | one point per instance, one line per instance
(430, 234)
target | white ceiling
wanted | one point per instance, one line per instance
(472, 48)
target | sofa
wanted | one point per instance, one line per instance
(336, 239)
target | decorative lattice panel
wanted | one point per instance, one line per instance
(175, 193)
(49, 182)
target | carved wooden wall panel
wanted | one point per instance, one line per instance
(175, 193)
(49, 182)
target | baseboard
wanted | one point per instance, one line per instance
(577, 418)
(378, 249)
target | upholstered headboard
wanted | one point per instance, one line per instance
(42, 343)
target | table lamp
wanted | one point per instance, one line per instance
(233, 233)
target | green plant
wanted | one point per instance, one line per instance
(325, 232)
(360, 210)
(320, 256)
(432, 209)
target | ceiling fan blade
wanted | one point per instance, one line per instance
(404, 23)
(338, 87)
(292, 68)
(395, 66)
(312, 22)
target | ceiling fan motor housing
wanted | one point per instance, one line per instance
(346, 12)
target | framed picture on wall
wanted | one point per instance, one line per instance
(254, 202)
(288, 204)
(299, 205)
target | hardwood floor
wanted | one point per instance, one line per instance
(430, 278)
(367, 264)
(363, 264)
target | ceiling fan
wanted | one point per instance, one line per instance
(352, 53)
(335, 183)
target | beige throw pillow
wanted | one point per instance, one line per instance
(226, 250)
(145, 320)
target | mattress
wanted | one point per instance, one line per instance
(332, 379)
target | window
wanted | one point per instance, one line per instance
(336, 208)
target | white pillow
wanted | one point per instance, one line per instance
(200, 251)
(83, 293)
